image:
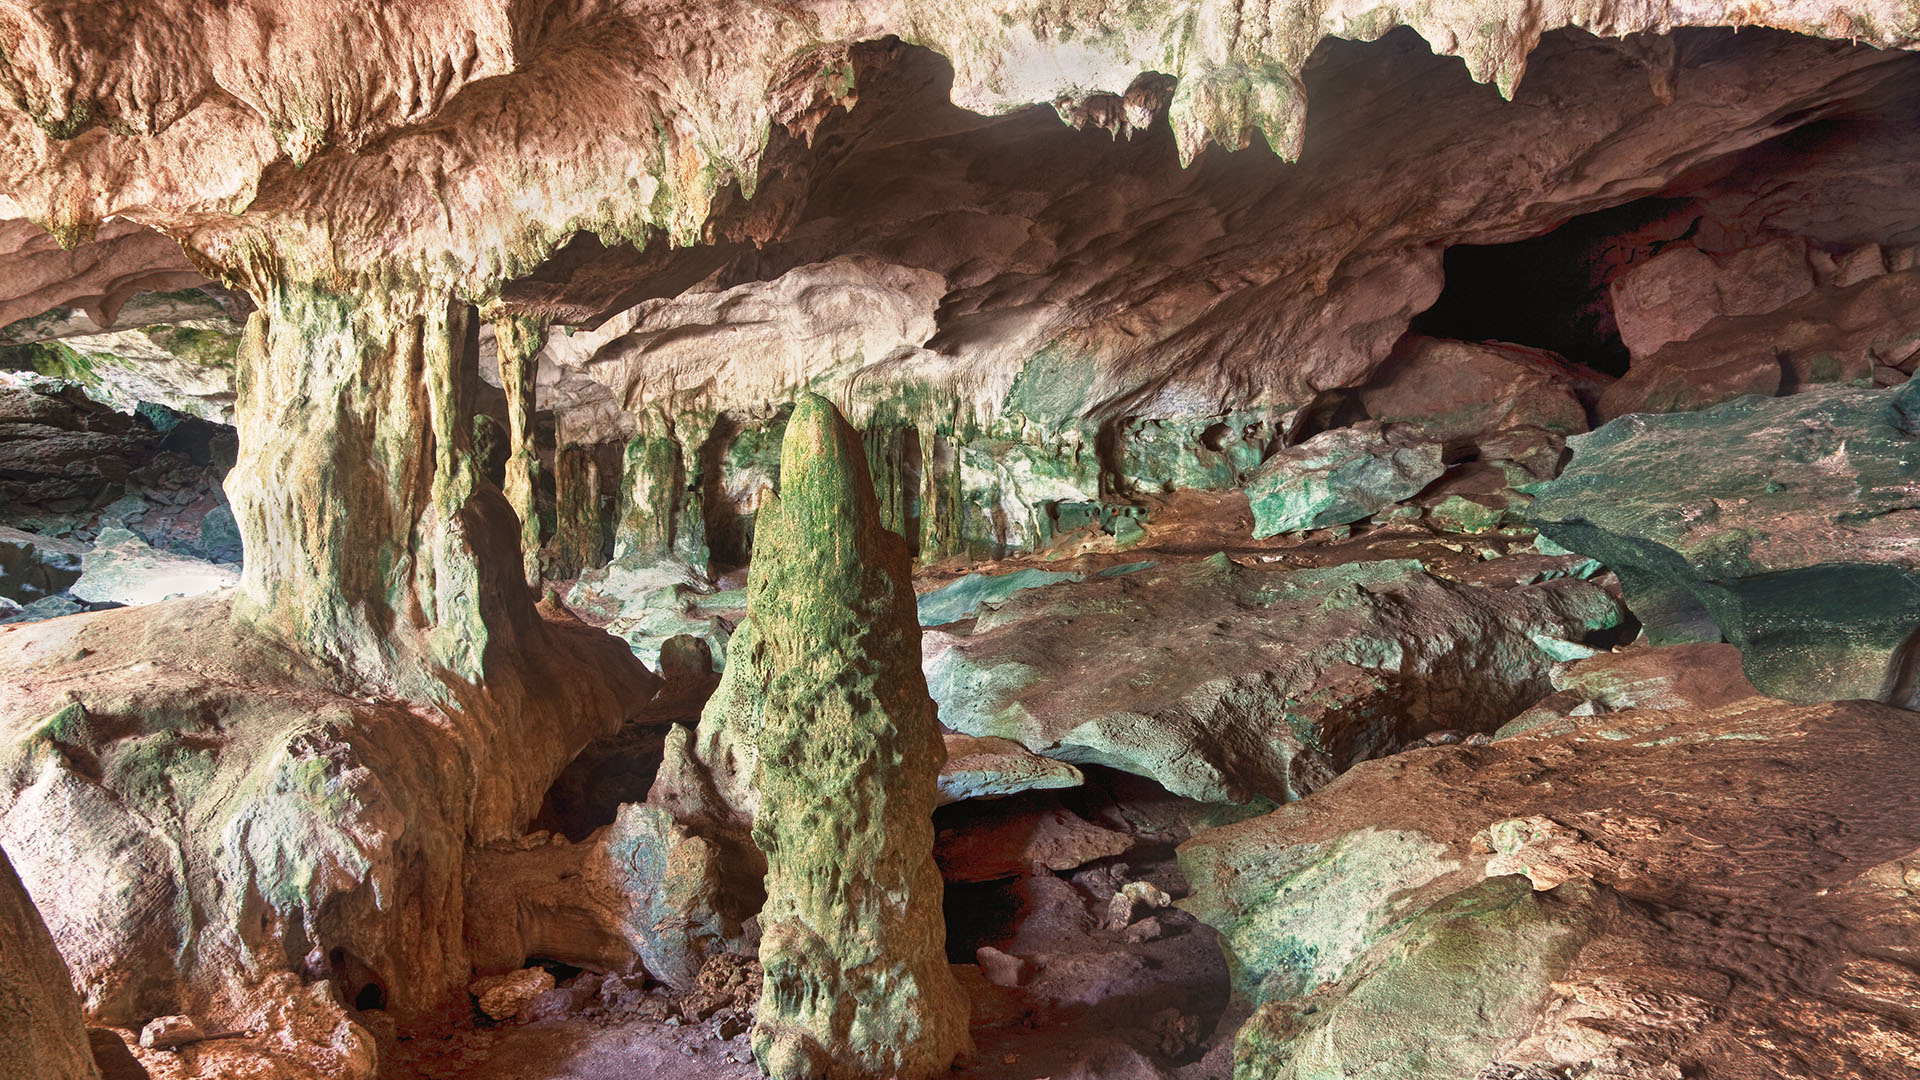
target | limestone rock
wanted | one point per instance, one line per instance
(1379, 886)
(984, 841)
(169, 1032)
(1832, 335)
(1462, 980)
(1671, 296)
(985, 768)
(1340, 476)
(229, 811)
(647, 600)
(1230, 683)
(33, 566)
(502, 997)
(847, 756)
(1457, 391)
(1783, 526)
(45, 1036)
(121, 568)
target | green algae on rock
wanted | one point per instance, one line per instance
(848, 750)
(1784, 526)
(1341, 476)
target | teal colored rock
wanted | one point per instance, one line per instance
(1341, 476)
(967, 595)
(1786, 526)
(1439, 999)
(1229, 684)
(844, 764)
(646, 599)
(989, 768)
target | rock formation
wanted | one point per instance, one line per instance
(1783, 526)
(1222, 375)
(845, 757)
(45, 1036)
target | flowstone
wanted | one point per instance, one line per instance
(853, 942)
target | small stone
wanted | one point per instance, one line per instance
(1175, 1033)
(1147, 929)
(1135, 899)
(1003, 969)
(687, 1050)
(731, 1026)
(502, 997)
(168, 1032)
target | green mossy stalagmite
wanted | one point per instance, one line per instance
(519, 342)
(853, 942)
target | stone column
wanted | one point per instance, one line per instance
(578, 532)
(519, 341)
(369, 545)
(847, 753)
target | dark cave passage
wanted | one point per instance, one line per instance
(1551, 291)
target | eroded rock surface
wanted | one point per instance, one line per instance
(1229, 683)
(45, 1035)
(1787, 527)
(1664, 942)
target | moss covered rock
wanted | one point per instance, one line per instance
(846, 755)
(1341, 476)
(1438, 999)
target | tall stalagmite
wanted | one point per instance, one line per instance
(853, 944)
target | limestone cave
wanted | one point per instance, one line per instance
(879, 540)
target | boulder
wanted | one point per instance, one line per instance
(1457, 391)
(1671, 296)
(990, 767)
(1583, 896)
(1831, 335)
(33, 567)
(1785, 526)
(45, 1037)
(1230, 683)
(1341, 476)
(228, 818)
(642, 892)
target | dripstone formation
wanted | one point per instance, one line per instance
(845, 760)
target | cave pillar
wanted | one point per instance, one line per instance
(659, 514)
(578, 531)
(370, 545)
(846, 757)
(518, 342)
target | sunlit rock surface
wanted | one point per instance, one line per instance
(1663, 940)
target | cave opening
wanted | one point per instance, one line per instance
(1551, 291)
